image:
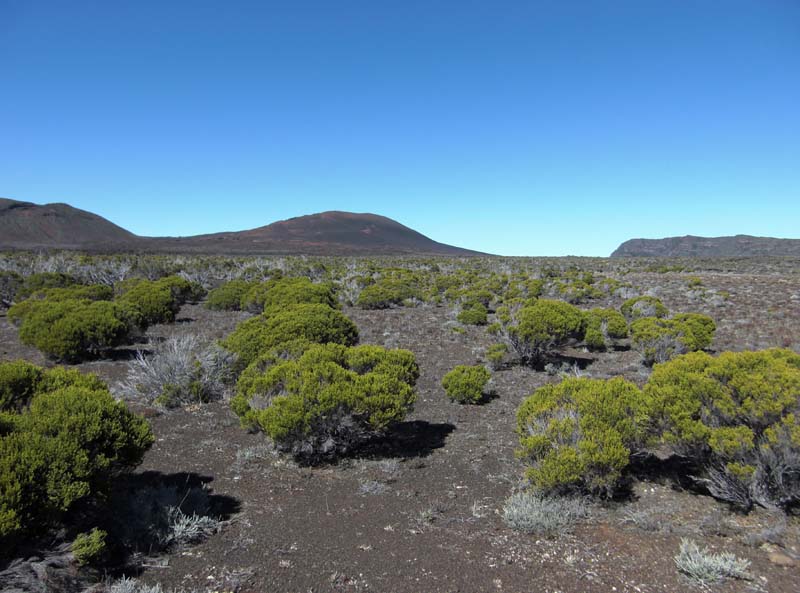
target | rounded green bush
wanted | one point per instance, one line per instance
(738, 417)
(314, 323)
(543, 326)
(698, 330)
(65, 445)
(59, 377)
(466, 384)
(296, 291)
(603, 327)
(285, 292)
(75, 330)
(95, 292)
(183, 290)
(476, 314)
(658, 340)
(643, 306)
(579, 434)
(388, 292)
(329, 400)
(154, 301)
(20, 380)
(228, 297)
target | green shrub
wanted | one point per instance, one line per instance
(368, 358)
(43, 280)
(534, 288)
(285, 292)
(496, 355)
(466, 384)
(297, 291)
(20, 380)
(475, 315)
(577, 291)
(694, 282)
(154, 301)
(95, 292)
(388, 292)
(75, 330)
(183, 290)
(579, 434)
(255, 296)
(698, 330)
(59, 377)
(124, 286)
(643, 306)
(474, 297)
(228, 297)
(329, 400)
(66, 445)
(738, 417)
(543, 326)
(310, 322)
(658, 340)
(89, 548)
(603, 328)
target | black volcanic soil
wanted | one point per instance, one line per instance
(419, 512)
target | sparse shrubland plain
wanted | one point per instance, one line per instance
(287, 424)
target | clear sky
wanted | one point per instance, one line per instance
(518, 128)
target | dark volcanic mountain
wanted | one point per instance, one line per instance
(690, 246)
(58, 226)
(327, 233)
(24, 225)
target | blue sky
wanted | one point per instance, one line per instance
(517, 128)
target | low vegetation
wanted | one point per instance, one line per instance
(535, 513)
(466, 384)
(625, 398)
(736, 415)
(706, 568)
(537, 329)
(579, 434)
(310, 323)
(658, 340)
(181, 370)
(329, 400)
(61, 442)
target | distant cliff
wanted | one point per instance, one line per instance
(690, 246)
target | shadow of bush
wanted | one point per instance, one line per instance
(406, 440)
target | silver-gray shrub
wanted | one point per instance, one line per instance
(534, 512)
(182, 369)
(128, 585)
(705, 567)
